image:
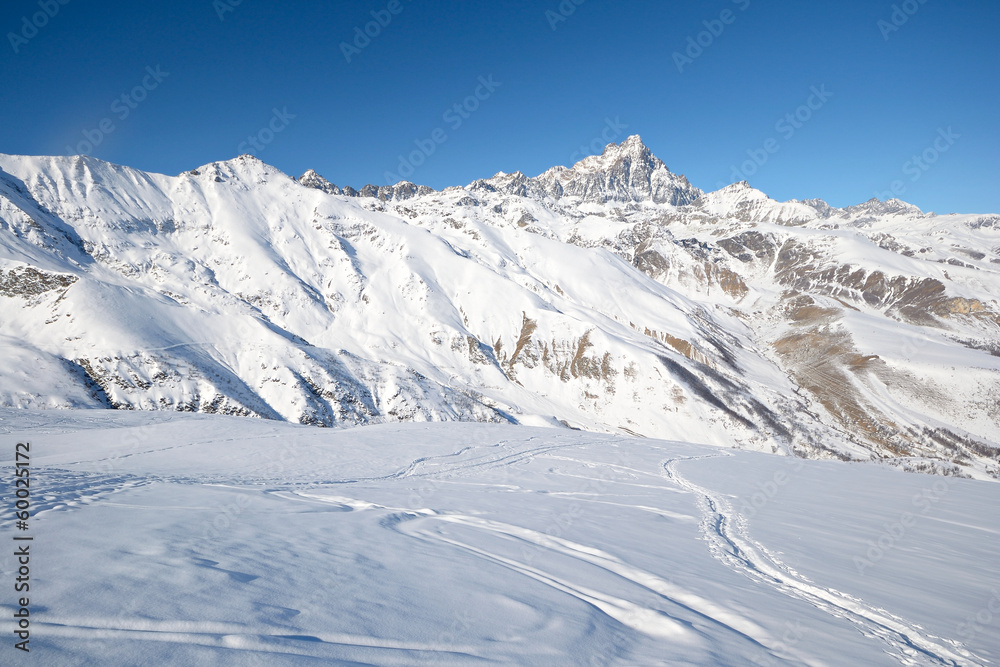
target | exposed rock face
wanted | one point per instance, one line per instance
(628, 172)
(26, 282)
(399, 191)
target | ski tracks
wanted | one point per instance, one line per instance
(729, 540)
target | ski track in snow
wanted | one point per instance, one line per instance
(687, 609)
(729, 541)
(484, 462)
(641, 618)
(673, 613)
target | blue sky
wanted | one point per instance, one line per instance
(742, 103)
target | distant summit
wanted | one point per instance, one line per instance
(625, 172)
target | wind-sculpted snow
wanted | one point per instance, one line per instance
(611, 296)
(163, 538)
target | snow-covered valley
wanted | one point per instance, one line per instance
(163, 538)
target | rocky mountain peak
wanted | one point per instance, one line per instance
(631, 150)
(874, 206)
(311, 179)
(247, 168)
(399, 191)
(625, 172)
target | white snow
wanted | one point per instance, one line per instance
(163, 538)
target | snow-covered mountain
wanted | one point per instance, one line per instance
(609, 296)
(627, 172)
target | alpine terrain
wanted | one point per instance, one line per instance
(600, 346)
(612, 296)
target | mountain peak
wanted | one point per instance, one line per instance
(632, 146)
(633, 140)
(311, 179)
(742, 201)
(242, 167)
(625, 172)
(875, 206)
(741, 190)
(632, 151)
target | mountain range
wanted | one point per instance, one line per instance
(611, 296)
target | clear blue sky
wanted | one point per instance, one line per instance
(890, 97)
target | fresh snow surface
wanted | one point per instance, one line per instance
(178, 539)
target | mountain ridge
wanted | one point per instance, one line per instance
(607, 296)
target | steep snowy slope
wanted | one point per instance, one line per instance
(167, 539)
(609, 296)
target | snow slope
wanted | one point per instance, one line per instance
(612, 296)
(163, 538)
